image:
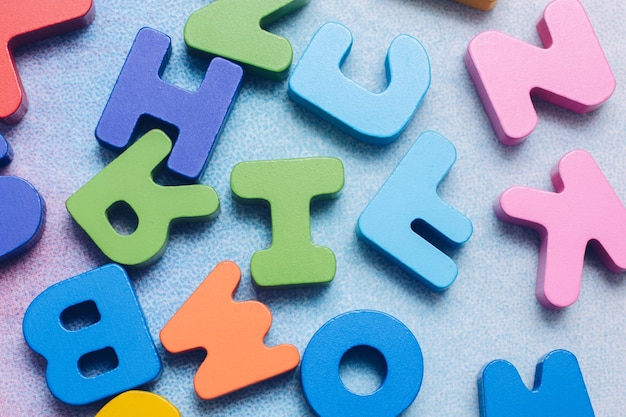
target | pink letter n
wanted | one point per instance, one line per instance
(571, 72)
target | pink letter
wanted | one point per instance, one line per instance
(584, 209)
(571, 71)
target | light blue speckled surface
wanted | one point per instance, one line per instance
(489, 313)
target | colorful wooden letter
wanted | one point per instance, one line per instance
(323, 388)
(559, 389)
(22, 211)
(129, 179)
(289, 186)
(6, 153)
(572, 71)
(22, 216)
(584, 209)
(233, 29)
(479, 4)
(407, 211)
(138, 404)
(119, 326)
(319, 85)
(198, 116)
(231, 332)
(23, 21)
